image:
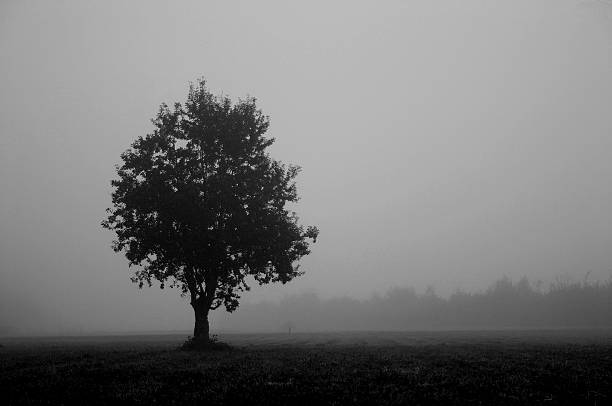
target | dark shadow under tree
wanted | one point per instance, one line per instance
(200, 205)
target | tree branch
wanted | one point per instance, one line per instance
(192, 285)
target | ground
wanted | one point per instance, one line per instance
(502, 367)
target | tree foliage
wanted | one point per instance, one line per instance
(199, 204)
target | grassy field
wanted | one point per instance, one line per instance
(489, 368)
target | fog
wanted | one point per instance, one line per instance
(444, 144)
(522, 305)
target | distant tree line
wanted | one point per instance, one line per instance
(505, 304)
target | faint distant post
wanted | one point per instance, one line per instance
(289, 326)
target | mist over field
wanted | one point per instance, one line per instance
(443, 144)
(504, 305)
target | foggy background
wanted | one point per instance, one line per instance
(445, 143)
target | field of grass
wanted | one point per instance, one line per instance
(489, 368)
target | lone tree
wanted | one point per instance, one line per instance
(200, 205)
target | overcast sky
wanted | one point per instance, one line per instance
(442, 142)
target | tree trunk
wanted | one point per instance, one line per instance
(201, 329)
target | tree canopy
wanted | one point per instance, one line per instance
(200, 205)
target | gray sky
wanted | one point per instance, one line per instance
(442, 142)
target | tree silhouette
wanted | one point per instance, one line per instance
(200, 205)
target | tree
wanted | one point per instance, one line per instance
(200, 205)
